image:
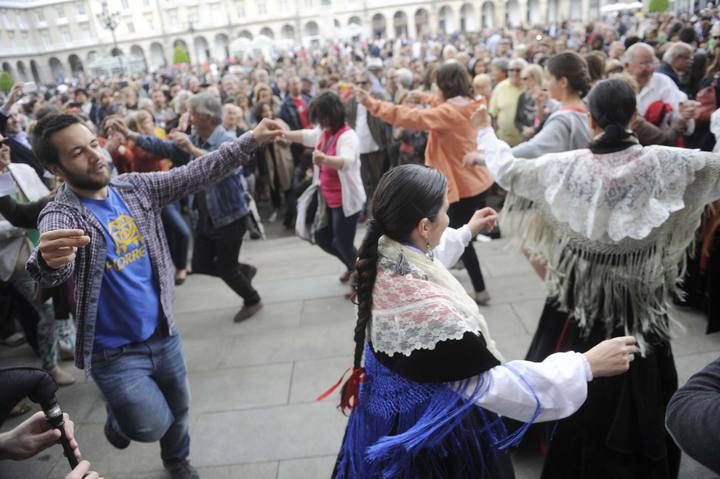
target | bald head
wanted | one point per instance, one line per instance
(640, 62)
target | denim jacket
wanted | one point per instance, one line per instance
(145, 195)
(225, 200)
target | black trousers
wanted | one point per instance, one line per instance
(216, 254)
(460, 213)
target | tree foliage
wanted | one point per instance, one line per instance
(180, 56)
(658, 6)
(6, 82)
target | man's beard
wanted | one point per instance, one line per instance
(86, 182)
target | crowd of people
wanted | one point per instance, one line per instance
(586, 135)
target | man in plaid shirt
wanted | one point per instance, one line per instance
(110, 235)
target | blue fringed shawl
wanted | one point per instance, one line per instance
(400, 424)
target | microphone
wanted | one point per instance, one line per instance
(38, 386)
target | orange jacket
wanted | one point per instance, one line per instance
(451, 138)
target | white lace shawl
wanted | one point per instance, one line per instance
(613, 228)
(715, 129)
(614, 196)
(417, 303)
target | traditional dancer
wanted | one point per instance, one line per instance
(426, 403)
(612, 223)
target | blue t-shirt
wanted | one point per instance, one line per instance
(129, 303)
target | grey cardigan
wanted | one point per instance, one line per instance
(564, 130)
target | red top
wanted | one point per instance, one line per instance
(302, 110)
(330, 185)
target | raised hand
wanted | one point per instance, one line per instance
(58, 247)
(483, 220)
(182, 140)
(480, 118)
(612, 356)
(267, 131)
(362, 96)
(14, 96)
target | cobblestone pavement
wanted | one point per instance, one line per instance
(253, 384)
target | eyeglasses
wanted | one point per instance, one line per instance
(514, 70)
(524, 78)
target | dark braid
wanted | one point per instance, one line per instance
(404, 196)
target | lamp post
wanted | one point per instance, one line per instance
(110, 21)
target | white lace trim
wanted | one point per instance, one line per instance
(618, 195)
(419, 326)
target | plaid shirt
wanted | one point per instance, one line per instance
(145, 195)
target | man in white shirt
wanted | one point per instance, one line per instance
(640, 62)
(374, 136)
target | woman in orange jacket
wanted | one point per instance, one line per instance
(451, 138)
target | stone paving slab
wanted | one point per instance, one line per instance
(254, 384)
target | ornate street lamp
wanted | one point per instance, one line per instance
(110, 21)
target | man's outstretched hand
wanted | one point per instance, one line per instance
(267, 131)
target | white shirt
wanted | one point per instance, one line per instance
(452, 245)
(367, 142)
(661, 87)
(556, 387)
(353, 191)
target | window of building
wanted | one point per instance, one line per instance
(150, 21)
(240, 5)
(60, 13)
(173, 15)
(11, 36)
(66, 35)
(130, 27)
(20, 19)
(125, 4)
(8, 20)
(81, 9)
(308, 3)
(262, 7)
(40, 16)
(146, 3)
(45, 38)
(85, 28)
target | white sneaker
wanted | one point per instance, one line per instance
(482, 297)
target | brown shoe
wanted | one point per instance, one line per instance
(247, 311)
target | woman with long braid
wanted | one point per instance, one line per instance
(427, 401)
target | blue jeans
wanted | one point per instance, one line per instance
(148, 395)
(177, 232)
(338, 238)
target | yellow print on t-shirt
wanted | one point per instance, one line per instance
(125, 233)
